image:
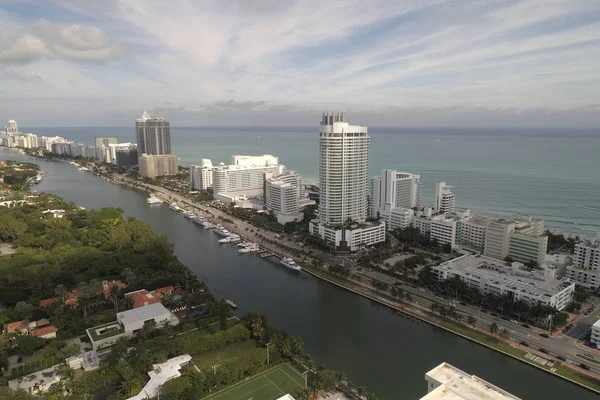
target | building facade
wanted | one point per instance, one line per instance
(393, 189)
(497, 238)
(152, 166)
(528, 248)
(595, 337)
(282, 196)
(246, 176)
(444, 198)
(201, 175)
(126, 155)
(13, 126)
(153, 135)
(474, 229)
(586, 264)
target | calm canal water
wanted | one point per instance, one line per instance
(373, 346)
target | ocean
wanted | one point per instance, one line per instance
(551, 174)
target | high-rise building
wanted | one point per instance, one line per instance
(103, 152)
(282, 195)
(444, 198)
(201, 175)
(586, 264)
(244, 177)
(343, 183)
(126, 155)
(153, 135)
(497, 238)
(105, 141)
(13, 126)
(392, 190)
(152, 166)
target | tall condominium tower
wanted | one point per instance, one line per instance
(394, 189)
(444, 198)
(13, 126)
(153, 135)
(343, 170)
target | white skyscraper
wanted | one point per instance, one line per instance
(344, 183)
(343, 170)
(444, 198)
(393, 189)
(13, 126)
(201, 175)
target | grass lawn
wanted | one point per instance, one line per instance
(588, 359)
(269, 385)
(213, 328)
(215, 357)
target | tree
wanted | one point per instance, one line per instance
(84, 297)
(24, 310)
(29, 344)
(257, 327)
(11, 228)
(60, 291)
(504, 334)
(471, 320)
(223, 315)
(408, 297)
(493, 328)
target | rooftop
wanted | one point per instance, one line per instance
(160, 374)
(105, 331)
(458, 385)
(40, 378)
(491, 269)
(144, 313)
(44, 331)
(596, 325)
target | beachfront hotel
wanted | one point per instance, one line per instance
(154, 146)
(344, 183)
(394, 190)
(201, 175)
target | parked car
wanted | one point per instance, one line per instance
(545, 335)
(505, 318)
(398, 284)
(494, 315)
(523, 343)
(590, 355)
(462, 303)
(19, 360)
(561, 358)
(584, 366)
(525, 326)
(543, 350)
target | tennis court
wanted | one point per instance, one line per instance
(269, 385)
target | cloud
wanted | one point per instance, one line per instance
(45, 39)
(248, 106)
(21, 75)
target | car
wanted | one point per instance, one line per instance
(584, 366)
(514, 321)
(525, 326)
(590, 355)
(544, 335)
(494, 315)
(462, 303)
(561, 358)
(543, 350)
(398, 284)
(524, 343)
(505, 318)
(483, 310)
(19, 360)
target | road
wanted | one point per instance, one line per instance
(559, 345)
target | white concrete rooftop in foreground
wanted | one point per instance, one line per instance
(450, 383)
(160, 374)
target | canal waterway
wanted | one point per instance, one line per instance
(373, 346)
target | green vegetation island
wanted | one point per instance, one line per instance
(72, 279)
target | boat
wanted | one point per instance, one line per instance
(231, 303)
(153, 201)
(220, 230)
(208, 225)
(189, 214)
(38, 179)
(174, 206)
(225, 240)
(243, 244)
(290, 263)
(249, 249)
(82, 169)
(198, 220)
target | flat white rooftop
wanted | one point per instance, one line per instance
(144, 313)
(455, 384)
(596, 325)
(160, 374)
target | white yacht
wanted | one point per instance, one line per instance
(249, 249)
(174, 206)
(189, 214)
(208, 225)
(243, 244)
(198, 219)
(38, 178)
(225, 240)
(290, 263)
(153, 201)
(220, 230)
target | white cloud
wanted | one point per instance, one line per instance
(45, 39)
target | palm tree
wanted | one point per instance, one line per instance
(61, 291)
(493, 328)
(114, 296)
(504, 334)
(471, 320)
(95, 286)
(286, 347)
(25, 311)
(434, 307)
(84, 297)
(257, 327)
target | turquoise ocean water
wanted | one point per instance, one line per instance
(550, 174)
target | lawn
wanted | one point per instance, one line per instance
(213, 328)
(269, 385)
(215, 357)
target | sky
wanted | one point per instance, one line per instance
(513, 63)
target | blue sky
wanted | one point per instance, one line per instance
(254, 62)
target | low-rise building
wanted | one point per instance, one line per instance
(492, 276)
(88, 361)
(474, 229)
(528, 248)
(350, 238)
(38, 382)
(586, 264)
(143, 297)
(152, 166)
(446, 382)
(160, 374)
(595, 337)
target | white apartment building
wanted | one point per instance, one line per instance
(444, 198)
(400, 218)
(445, 230)
(446, 382)
(586, 264)
(343, 183)
(393, 189)
(595, 337)
(497, 238)
(474, 229)
(246, 177)
(490, 275)
(47, 142)
(282, 196)
(13, 126)
(201, 175)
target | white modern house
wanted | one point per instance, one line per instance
(344, 181)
